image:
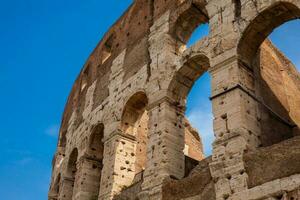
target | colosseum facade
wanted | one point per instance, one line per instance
(124, 134)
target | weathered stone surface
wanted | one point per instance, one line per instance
(124, 132)
(186, 187)
(274, 162)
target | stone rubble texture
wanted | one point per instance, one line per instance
(124, 134)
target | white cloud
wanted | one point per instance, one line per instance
(24, 161)
(52, 130)
(203, 122)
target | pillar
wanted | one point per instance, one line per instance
(118, 164)
(165, 157)
(236, 125)
(66, 189)
(89, 175)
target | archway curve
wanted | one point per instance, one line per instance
(187, 18)
(71, 164)
(262, 25)
(275, 114)
(134, 107)
(95, 145)
(184, 78)
(134, 123)
(194, 65)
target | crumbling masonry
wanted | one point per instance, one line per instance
(124, 134)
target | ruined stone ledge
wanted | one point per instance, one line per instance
(274, 162)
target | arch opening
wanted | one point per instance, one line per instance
(199, 111)
(135, 123)
(187, 89)
(275, 78)
(94, 161)
(71, 176)
(96, 146)
(199, 33)
(262, 26)
(190, 24)
(71, 167)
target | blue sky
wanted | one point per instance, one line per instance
(43, 45)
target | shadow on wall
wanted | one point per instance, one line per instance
(277, 106)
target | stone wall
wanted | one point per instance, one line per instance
(198, 184)
(274, 162)
(135, 84)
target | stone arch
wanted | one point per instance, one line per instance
(71, 165)
(187, 18)
(184, 78)
(193, 66)
(135, 123)
(273, 111)
(95, 143)
(261, 27)
(92, 163)
(70, 176)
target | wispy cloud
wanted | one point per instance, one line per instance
(24, 161)
(52, 130)
(203, 122)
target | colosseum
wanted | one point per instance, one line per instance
(124, 134)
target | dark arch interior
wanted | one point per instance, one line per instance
(96, 145)
(94, 161)
(68, 185)
(72, 168)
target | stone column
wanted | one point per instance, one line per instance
(165, 156)
(89, 175)
(119, 161)
(66, 191)
(236, 125)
